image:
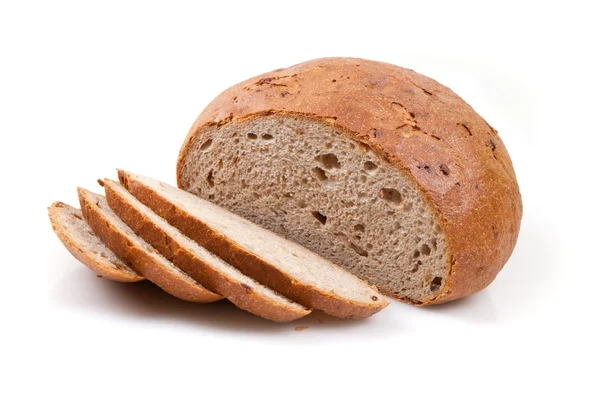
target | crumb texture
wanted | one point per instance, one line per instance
(309, 182)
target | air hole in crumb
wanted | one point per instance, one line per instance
(359, 250)
(206, 145)
(210, 179)
(363, 179)
(425, 249)
(320, 217)
(369, 246)
(302, 203)
(436, 283)
(328, 161)
(391, 196)
(267, 137)
(359, 227)
(434, 244)
(255, 195)
(77, 216)
(252, 136)
(396, 225)
(320, 174)
(415, 268)
(416, 254)
(220, 164)
(407, 206)
(328, 145)
(370, 166)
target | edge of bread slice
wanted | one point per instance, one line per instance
(83, 244)
(144, 259)
(285, 266)
(203, 266)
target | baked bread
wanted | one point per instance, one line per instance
(79, 239)
(142, 257)
(203, 266)
(375, 167)
(284, 266)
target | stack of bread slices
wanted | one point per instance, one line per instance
(197, 251)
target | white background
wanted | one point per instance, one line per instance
(86, 88)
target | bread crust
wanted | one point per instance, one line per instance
(241, 294)
(422, 128)
(105, 269)
(249, 263)
(139, 259)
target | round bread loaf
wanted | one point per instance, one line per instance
(380, 169)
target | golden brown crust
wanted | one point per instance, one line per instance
(139, 258)
(421, 127)
(250, 264)
(239, 293)
(108, 270)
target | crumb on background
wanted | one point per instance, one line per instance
(301, 328)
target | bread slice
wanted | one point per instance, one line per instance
(280, 264)
(375, 167)
(203, 266)
(142, 257)
(79, 239)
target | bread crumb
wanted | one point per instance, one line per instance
(98, 276)
(301, 328)
(101, 182)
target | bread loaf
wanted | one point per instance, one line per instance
(379, 169)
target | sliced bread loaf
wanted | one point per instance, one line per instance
(142, 257)
(287, 267)
(203, 266)
(377, 168)
(79, 239)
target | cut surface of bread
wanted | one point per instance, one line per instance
(79, 239)
(382, 170)
(310, 183)
(286, 267)
(203, 266)
(142, 257)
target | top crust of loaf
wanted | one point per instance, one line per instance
(418, 125)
